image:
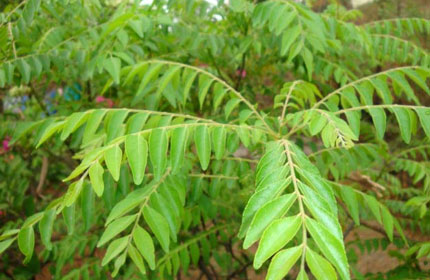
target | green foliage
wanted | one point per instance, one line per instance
(190, 162)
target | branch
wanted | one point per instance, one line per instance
(338, 91)
(230, 88)
(42, 178)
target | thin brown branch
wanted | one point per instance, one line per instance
(43, 173)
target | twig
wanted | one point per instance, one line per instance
(239, 271)
(348, 230)
(204, 270)
(43, 172)
(241, 69)
(229, 248)
(12, 39)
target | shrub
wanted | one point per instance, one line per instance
(185, 130)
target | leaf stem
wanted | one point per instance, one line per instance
(145, 202)
(299, 197)
(284, 108)
(338, 91)
(230, 88)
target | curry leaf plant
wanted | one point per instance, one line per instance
(235, 134)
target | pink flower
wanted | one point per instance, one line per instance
(241, 73)
(6, 141)
(109, 102)
(100, 99)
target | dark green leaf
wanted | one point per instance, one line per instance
(203, 145)
(136, 149)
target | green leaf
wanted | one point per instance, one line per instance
(69, 218)
(404, 120)
(203, 145)
(265, 215)
(287, 18)
(72, 123)
(124, 182)
(205, 83)
(119, 262)
(109, 194)
(381, 86)
(87, 206)
(229, 107)
(21, 129)
(330, 246)
(136, 149)
(144, 244)
(96, 177)
(243, 133)
(113, 66)
(2, 78)
(115, 120)
(32, 220)
(399, 78)
(320, 267)
(113, 158)
(45, 228)
(379, 120)
(49, 131)
(158, 144)
(295, 49)
(350, 198)
(26, 242)
(275, 237)
(317, 124)
(152, 72)
(189, 79)
(289, 37)
(25, 71)
(6, 244)
(309, 62)
(176, 263)
(219, 138)
(73, 193)
(354, 121)
(136, 122)
(93, 123)
(257, 200)
(424, 115)
(321, 212)
(388, 222)
(219, 93)
(282, 262)
(30, 9)
(137, 258)
(373, 206)
(167, 77)
(9, 233)
(131, 201)
(185, 259)
(115, 228)
(114, 249)
(137, 26)
(159, 226)
(302, 275)
(195, 253)
(420, 81)
(177, 148)
(163, 206)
